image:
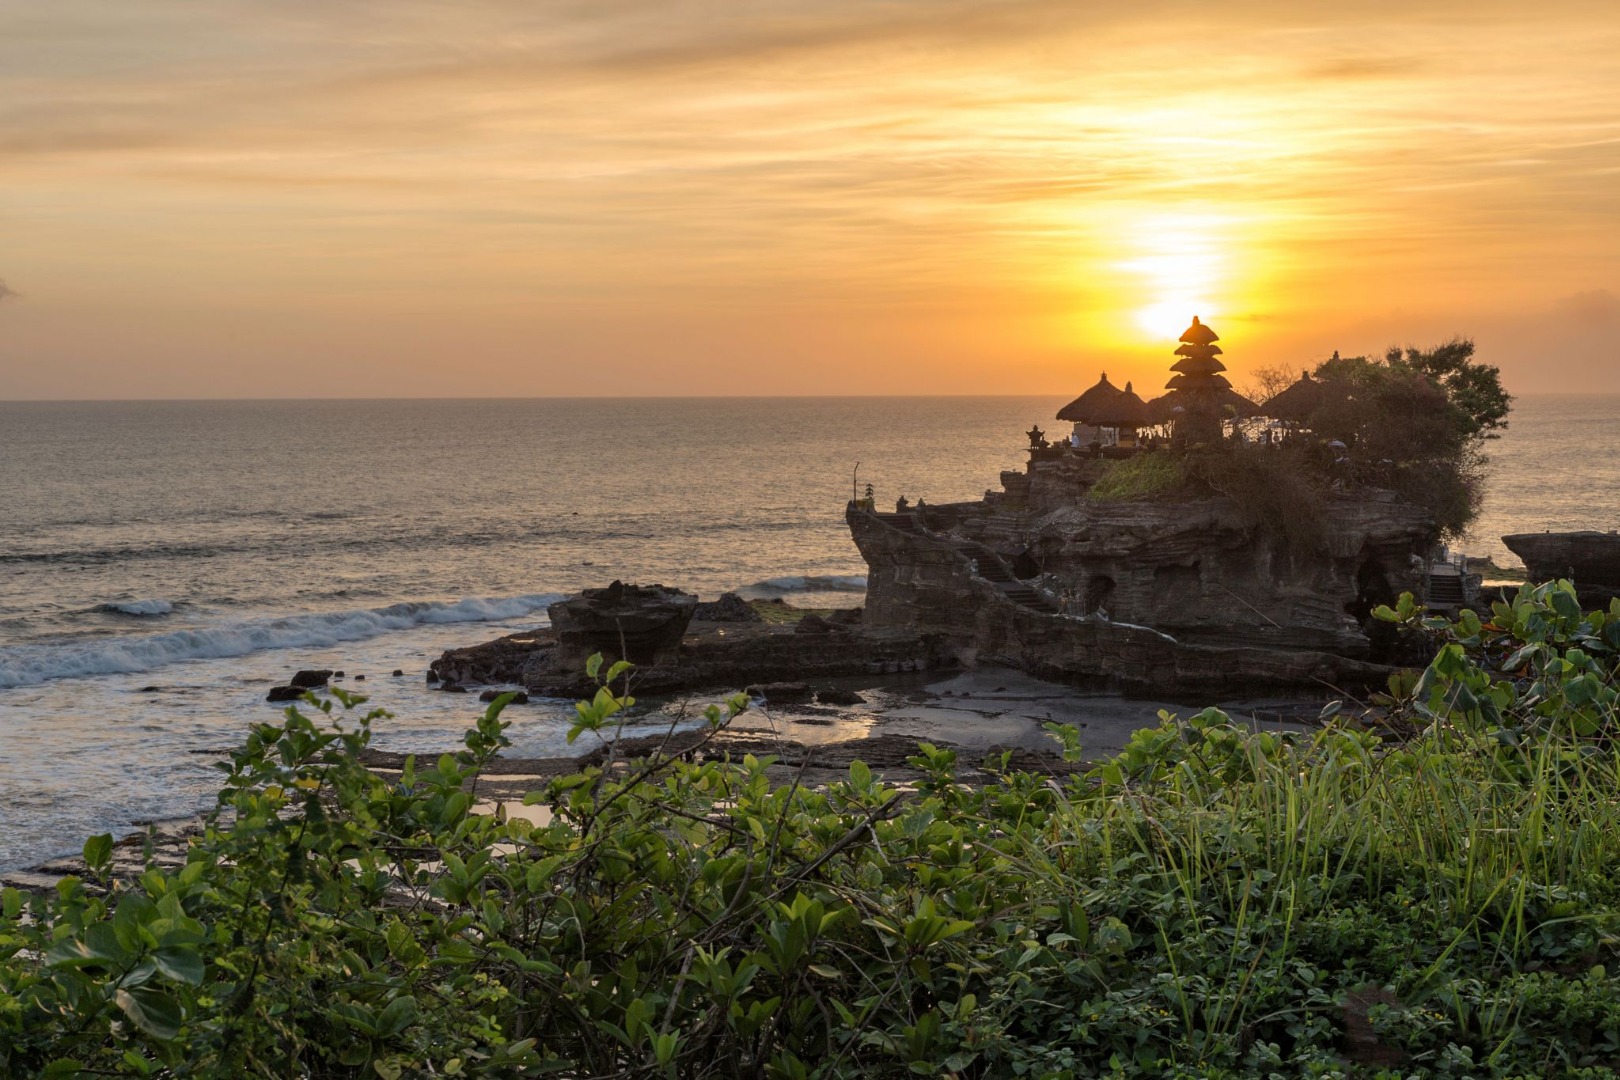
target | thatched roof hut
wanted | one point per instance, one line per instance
(1106, 405)
(1297, 402)
(1099, 398)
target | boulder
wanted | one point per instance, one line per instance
(812, 624)
(398, 672)
(781, 692)
(309, 678)
(452, 688)
(285, 693)
(643, 624)
(729, 608)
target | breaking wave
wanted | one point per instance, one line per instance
(29, 665)
(143, 608)
(779, 586)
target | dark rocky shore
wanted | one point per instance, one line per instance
(685, 646)
(680, 646)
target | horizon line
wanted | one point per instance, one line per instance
(630, 397)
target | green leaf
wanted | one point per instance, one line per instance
(98, 852)
(99, 947)
(182, 963)
(153, 1011)
(398, 1016)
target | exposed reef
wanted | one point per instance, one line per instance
(702, 653)
(1589, 558)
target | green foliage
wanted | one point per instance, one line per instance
(1140, 476)
(1414, 421)
(1208, 903)
(1277, 491)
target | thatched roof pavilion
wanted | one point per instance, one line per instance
(1106, 405)
(1098, 398)
(1298, 401)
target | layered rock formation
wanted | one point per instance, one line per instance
(724, 653)
(643, 624)
(1173, 595)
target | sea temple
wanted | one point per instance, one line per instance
(1164, 541)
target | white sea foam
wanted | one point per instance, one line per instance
(776, 586)
(144, 608)
(28, 665)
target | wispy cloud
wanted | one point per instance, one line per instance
(476, 162)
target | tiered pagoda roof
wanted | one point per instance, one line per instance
(1198, 369)
(1198, 385)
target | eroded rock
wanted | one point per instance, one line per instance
(643, 624)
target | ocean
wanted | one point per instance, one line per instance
(162, 564)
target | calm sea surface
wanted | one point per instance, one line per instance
(163, 563)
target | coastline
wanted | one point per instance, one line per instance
(976, 713)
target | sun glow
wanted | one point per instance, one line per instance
(1183, 271)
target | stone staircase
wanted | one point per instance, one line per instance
(1446, 589)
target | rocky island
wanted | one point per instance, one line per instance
(1198, 543)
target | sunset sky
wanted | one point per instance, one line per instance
(487, 198)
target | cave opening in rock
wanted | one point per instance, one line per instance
(1099, 593)
(1372, 588)
(1025, 565)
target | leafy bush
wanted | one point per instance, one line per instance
(1416, 421)
(1211, 902)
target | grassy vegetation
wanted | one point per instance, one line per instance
(1140, 476)
(1209, 903)
(781, 613)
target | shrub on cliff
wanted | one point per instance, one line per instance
(1212, 902)
(1416, 421)
(1140, 476)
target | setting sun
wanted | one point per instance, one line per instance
(1180, 269)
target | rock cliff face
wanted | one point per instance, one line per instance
(1172, 594)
